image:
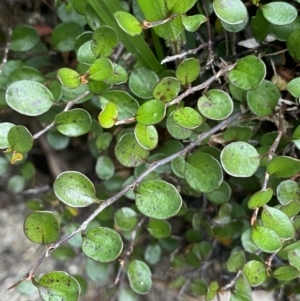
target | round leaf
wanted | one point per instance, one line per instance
(159, 228)
(24, 38)
(187, 117)
(236, 261)
(4, 129)
(108, 116)
(118, 77)
(126, 218)
(73, 123)
(263, 99)
(283, 166)
(230, 11)
(85, 55)
(235, 27)
(41, 227)
(286, 273)
(215, 104)
(188, 70)
(293, 44)
(129, 153)
(248, 73)
(203, 172)
(266, 239)
(20, 139)
(146, 136)
(142, 81)
(105, 168)
(74, 189)
(151, 112)
(167, 89)
(68, 77)
(294, 258)
(101, 69)
(58, 286)
(288, 12)
(240, 159)
(260, 198)
(294, 87)
(29, 98)
(255, 272)
(128, 23)
(192, 23)
(288, 191)
(177, 131)
(220, 195)
(102, 244)
(278, 221)
(157, 199)
(140, 277)
(153, 253)
(105, 39)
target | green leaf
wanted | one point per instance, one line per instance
(283, 253)
(177, 131)
(102, 244)
(247, 242)
(293, 44)
(288, 12)
(105, 168)
(283, 166)
(293, 257)
(278, 221)
(188, 71)
(20, 139)
(157, 199)
(4, 129)
(248, 73)
(128, 23)
(203, 172)
(235, 27)
(58, 286)
(118, 77)
(187, 117)
(126, 218)
(240, 159)
(288, 191)
(153, 253)
(56, 90)
(237, 133)
(73, 123)
(140, 276)
(29, 98)
(146, 136)
(69, 78)
(230, 11)
(142, 82)
(74, 189)
(92, 18)
(294, 87)
(199, 287)
(255, 272)
(192, 23)
(220, 195)
(79, 6)
(27, 73)
(109, 115)
(286, 273)
(291, 209)
(236, 261)
(167, 89)
(41, 227)
(151, 112)
(263, 99)
(266, 239)
(259, 26)
(101, 69)
(159, 228)
(24, 38)
(213, 289)
(215, 104)
(85, 55)
(57, 140)
(178, 166)
(128, 151)
(260, 198)
(64, 35)
(105, 39)
(281, 32)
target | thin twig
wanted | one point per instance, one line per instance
(6, 50)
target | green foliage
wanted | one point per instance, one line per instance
(196, 151)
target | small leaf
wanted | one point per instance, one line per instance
(41, 227)
(235, 27)
(177, 131)
(294, 87)
(74, 189)
(192, 23)
(237, 133)
(85, 55)
(101, 69)
(24, 38)
(167, 89)
(157, 199)
(288, 12)
(240, 159)
(118, 77)
(236, 261)
(108, 116)
(220, 195)
(203, 172)
(294, 258)
(288, 191)
(248, 73)
(126, 218)
(142, 82)
(260, 198)
(283, 166)
(4, 129)
(105, 168)
(266, 239)
(58, 286)
(128, 23)
(20, 139)
(68, 77)
(231, 12)
(293, 44)
(278, 221)
(212, 291)
(286, 273)
(102, 244)
(215, 104)
(129, 153)
(159, 228)
(281, 32)
(259, 26)
(188, 71)
(146, 136)
(29, 98)
(247, 242)
(151, 112)
(263, 99)
(73, 123)
(92, 18)
(187, 117)
(255, 272)
(105, 39)
(153, 253)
